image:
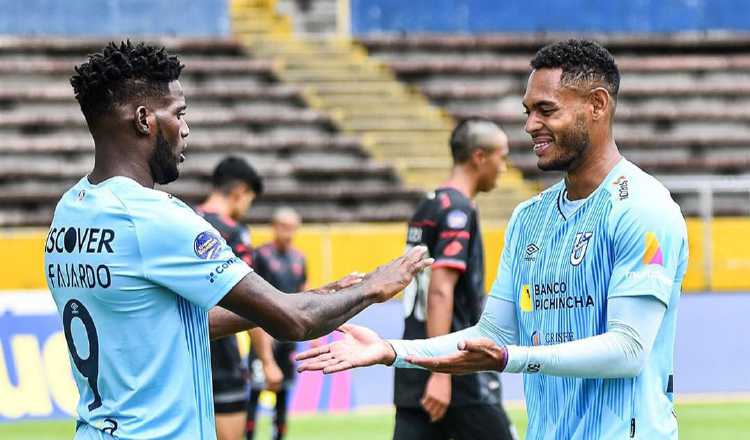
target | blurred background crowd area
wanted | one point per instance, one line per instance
(345, 106)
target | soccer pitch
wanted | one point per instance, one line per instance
(717, 421)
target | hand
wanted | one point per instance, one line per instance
(386, 281)
(474, 355)
(360, 347)
(437, 396)
(315, 343)
(273, 375)
(347, 281)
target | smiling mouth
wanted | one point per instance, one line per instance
(541, 146)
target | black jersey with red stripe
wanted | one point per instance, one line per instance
(226, 363)
(447, 223)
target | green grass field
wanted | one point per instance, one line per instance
(719, 421)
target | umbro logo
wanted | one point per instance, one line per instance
(531, 252)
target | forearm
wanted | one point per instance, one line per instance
(615, 353)
(325, 312)
(222, 323)
(621, 351)
(498, 323)
(295, 317)
(262, 344)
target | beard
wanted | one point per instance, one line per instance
(571, 145)
(163, 163)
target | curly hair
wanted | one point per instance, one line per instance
(119, 73)
(584, 63)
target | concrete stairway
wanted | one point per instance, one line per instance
(396, 122)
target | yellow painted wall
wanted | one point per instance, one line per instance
(335, 250)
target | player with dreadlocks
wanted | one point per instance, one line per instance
(137, 275)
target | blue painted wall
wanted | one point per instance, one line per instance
(480, 16)
(114, 17)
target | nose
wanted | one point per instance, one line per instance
(184, 130)
(532, 123)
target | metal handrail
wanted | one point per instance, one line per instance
(706, 188)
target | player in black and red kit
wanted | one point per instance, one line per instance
(450, 297)
(284, 267)
(235, 184)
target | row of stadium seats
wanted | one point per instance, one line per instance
(682, 109)
(236, 106)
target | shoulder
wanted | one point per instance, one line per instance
(264, 252)
(638, 197)
(533, 204)
(298, 255)
(161, 215)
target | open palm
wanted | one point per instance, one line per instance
(360, 347)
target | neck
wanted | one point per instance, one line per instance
(112, 159)
(216, 203)
(280, 246)
(462, 180)
(597, 162)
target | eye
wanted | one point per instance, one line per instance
(180, 115)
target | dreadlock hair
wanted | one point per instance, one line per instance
(118, 74)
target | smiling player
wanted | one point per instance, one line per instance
(585, 303)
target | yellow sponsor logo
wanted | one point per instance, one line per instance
(526, 298)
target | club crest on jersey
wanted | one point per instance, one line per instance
(580, 245)
(207, 245)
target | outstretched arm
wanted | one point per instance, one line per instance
(362, 347)
(621, 351)
(302, 317)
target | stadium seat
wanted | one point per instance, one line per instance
(682, 106)
(236, 106)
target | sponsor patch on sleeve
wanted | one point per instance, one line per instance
(457, 219)
(207, 245)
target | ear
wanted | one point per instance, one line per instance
(478, 156)
(599, 100)
(141, 122)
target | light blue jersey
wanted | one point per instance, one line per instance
(133, 272)
(627, 239)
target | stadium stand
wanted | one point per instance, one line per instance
(237, 106)
(397, 123)
(682, 111)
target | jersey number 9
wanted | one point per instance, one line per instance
(89, 367)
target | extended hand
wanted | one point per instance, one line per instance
(359, 348)
(474, 355)
(388, 280)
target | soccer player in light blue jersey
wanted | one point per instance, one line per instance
(585, 302)
(137, 275)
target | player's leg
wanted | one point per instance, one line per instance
(280, 415)
(414, 424)
(252, 407)
(480, 422)
(230, 420)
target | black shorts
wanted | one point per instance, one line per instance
(230, 396)
(230, 407)
(471, 422)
